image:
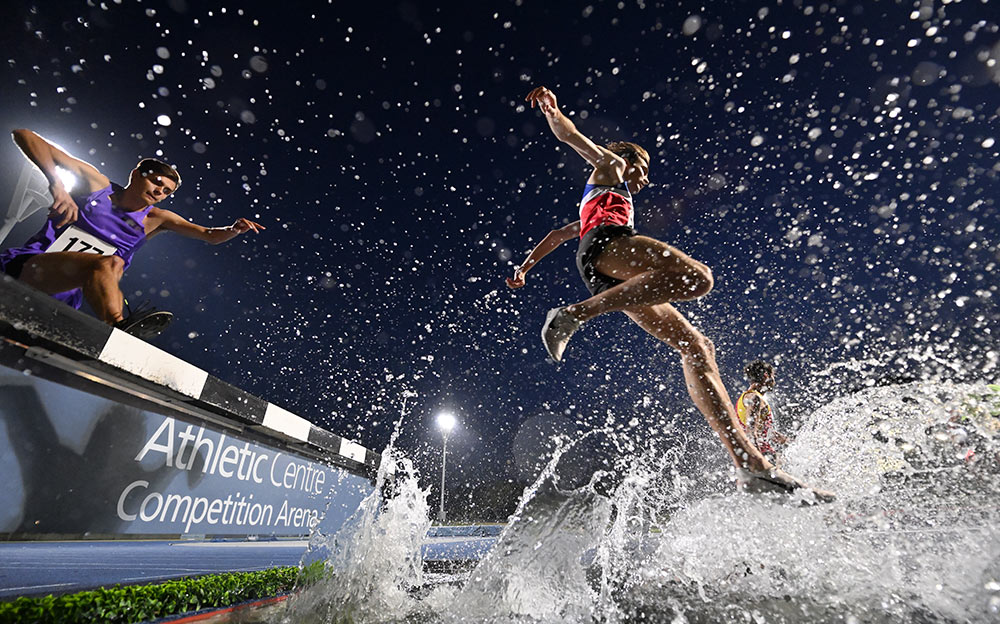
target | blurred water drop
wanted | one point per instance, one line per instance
(691, 25)
(258, 64)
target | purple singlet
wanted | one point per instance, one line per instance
(101, 228)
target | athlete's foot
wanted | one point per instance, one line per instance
(557, 330)
(145, 322)
(776, 481)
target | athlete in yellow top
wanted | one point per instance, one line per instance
(755, 412)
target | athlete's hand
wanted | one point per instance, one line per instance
(518, 279)
(63, 205)
(545, 99)
(245, 225)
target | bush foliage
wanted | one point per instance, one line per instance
(139, 603)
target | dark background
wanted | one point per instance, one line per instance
(835, 163)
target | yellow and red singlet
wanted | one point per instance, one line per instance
(762, 440)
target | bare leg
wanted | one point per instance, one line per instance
(98, 276)
(653, 273)
(704, 383)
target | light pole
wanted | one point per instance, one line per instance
(445, 422)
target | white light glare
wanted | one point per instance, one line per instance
(67, 178)
(446, 421)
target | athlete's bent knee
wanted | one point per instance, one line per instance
(111, 264)
(704, 281)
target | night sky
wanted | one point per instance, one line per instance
(835, 163)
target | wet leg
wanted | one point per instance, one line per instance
(701, 374)
(652, 273)
(98, 276)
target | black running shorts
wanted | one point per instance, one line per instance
(591, 246)
(15, 265)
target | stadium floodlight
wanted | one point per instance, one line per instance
(445, 422)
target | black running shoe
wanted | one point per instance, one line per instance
(776, 481)
(145, 321)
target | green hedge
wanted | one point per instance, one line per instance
(139, 603)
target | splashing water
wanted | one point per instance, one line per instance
(375, 560)
(913, 536)
(534, 573)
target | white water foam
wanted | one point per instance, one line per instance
(914, 535)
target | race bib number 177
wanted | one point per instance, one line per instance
(75, 239)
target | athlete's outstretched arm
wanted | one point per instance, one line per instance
(604, 161)
(167, 221)
(552, 240)
(47, 157)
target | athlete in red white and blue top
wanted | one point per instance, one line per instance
(641, 277)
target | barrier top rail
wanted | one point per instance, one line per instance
(44, 330)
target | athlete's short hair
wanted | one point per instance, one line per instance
(153, 166)
(629, 151)
(758, 370)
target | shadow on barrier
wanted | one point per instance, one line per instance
(64, 489)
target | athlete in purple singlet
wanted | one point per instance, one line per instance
(89, 239)
(641, 277)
